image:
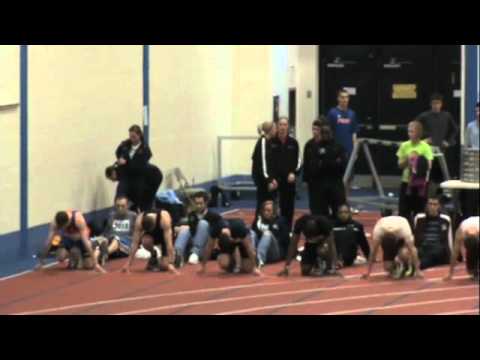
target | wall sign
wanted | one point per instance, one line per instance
(404, 92)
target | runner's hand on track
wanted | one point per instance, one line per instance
(202, 271)
(126, 269)
(258, 273)
(284, 273)
(100, 269)
(172, 269)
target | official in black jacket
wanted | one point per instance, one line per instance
(263, 165)
(287, 167)
(133, 156)
(324, 167)
(433, 236)
(349, 237)
(153, 181)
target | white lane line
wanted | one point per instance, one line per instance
(399, 306)
(260, 296)
(188, 292)
(156, 296)
(316, 302)
(26, 272)
(461, 312)
(230, 212)
(178, 293)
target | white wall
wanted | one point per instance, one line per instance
(280, 57)
(82, 100)
(9, 139)
(191, 103)
(201, 92)
(304, 76)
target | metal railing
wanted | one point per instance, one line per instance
(363, 143)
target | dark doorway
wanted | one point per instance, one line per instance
(276, 108)
(292, 110)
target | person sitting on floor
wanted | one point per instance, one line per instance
(116, 240)
(349, 237)
(75, 245)
(320, 255)
(467, 237)
(237, 252)
(270, 234)
(196, 232)
(400, 257)
(433, 235)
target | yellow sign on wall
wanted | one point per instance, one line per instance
(404, 91)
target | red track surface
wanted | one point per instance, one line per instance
(58, 292)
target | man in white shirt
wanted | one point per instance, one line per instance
(395, 236)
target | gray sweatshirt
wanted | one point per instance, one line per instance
(120, 226)
(440, 127)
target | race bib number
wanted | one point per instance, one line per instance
(121, 225)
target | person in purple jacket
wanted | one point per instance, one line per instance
(344, 124)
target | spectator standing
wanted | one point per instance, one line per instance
(412, 198)
(288, 164)
(263, 165)
(325, 162)
(440, 130)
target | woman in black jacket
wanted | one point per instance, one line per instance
(263, 166)
(133, 156)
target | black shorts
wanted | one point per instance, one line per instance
(391, 249)
(68, 244)
(310, 255)
(160, 243)
(226, 247)
(472, 256)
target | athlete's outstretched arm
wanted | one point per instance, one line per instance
(84, 234)
(168, 236)
(413, 251)
(292, 251)
(137, 235)
(207, 254)
(377, 240)
(251, 253)
(46, 247)
(455, 253)
(333, 252)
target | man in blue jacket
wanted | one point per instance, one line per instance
(344, 124)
